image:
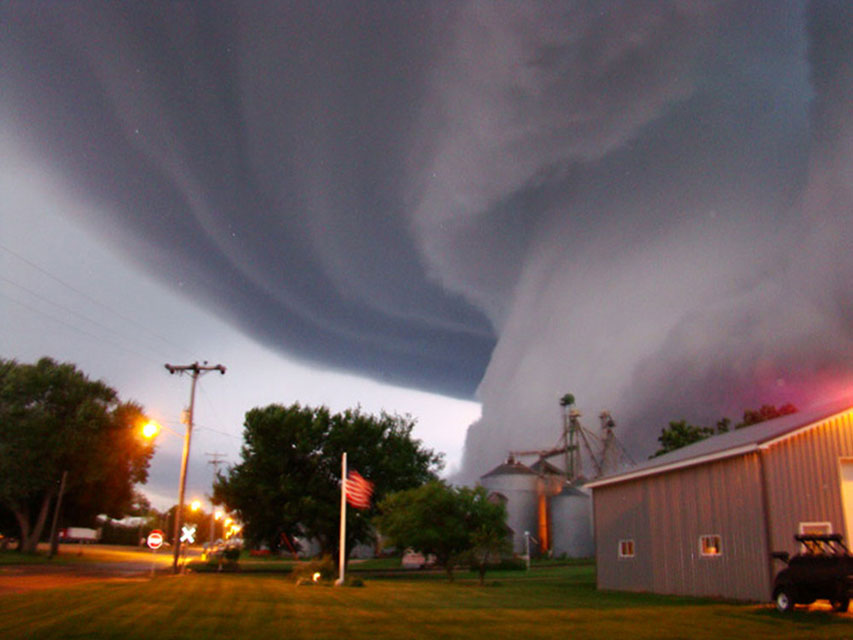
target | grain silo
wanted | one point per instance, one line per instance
(515, 484)
(571, 518)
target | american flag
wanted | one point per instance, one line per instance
(359, 490)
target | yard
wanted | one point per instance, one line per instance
(541, 604)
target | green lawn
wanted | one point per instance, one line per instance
(547, 603)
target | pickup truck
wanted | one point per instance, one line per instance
(822, 570)
(82, 535)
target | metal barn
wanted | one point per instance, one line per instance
(704, 519)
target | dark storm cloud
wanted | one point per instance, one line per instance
(253, 157)
(703, 266)
(646, 204)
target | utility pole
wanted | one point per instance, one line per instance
(54, 540)
(195, 370)
(216, 459)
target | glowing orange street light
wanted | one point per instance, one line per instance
(195, 505)
(150, 430)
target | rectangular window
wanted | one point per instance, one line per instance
(626, 548)
(813, 528)
(710, 545)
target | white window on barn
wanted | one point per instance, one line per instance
(626, 548)
(710, 545)
(813, 528)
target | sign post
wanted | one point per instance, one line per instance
(154, 542)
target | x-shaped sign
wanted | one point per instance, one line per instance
(188, 534)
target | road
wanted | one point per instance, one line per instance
(86, 563)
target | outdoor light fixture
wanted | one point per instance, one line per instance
(150, 430)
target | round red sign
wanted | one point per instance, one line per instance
(155, 539)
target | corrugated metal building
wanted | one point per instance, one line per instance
(538, 500)
(704, 519)
(515, 484)
(571, 523)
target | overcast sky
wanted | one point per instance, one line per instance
(431, 207)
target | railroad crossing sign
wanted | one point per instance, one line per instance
(155, 539)
(188, 533)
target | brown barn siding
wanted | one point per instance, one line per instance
(803, 479)
(622, 513)
(793, 480)
(667, 514)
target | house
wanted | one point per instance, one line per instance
(703, 520)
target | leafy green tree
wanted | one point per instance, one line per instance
(288, 483)
(54, 419)
(766, 412)
(680, 434)
(490, 536)
(451, 523)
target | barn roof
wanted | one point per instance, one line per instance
(543, 466)
(510, 467)
(569, 490)
(733, 443)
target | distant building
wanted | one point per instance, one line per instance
(539, 501)
(703, 520)
(514, 484)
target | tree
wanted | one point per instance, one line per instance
(490, 536)
(766, 412)
(288, 483)
(450, 523)
(54, 419)
(680, 433)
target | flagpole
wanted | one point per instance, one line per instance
(343, 545)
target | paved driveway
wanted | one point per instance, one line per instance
(91, 563)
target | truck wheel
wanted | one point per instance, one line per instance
(784, 599)
(840, 605)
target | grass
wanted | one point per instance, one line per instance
(545, 603)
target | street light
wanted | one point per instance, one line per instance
(215, 514)
(195, 505)
(150, 430)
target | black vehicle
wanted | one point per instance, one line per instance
(822, 570)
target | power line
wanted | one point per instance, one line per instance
(91, 299)
(212, 408)
(222, 433)
(66, 309)
(216, 460)
(99, 339)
